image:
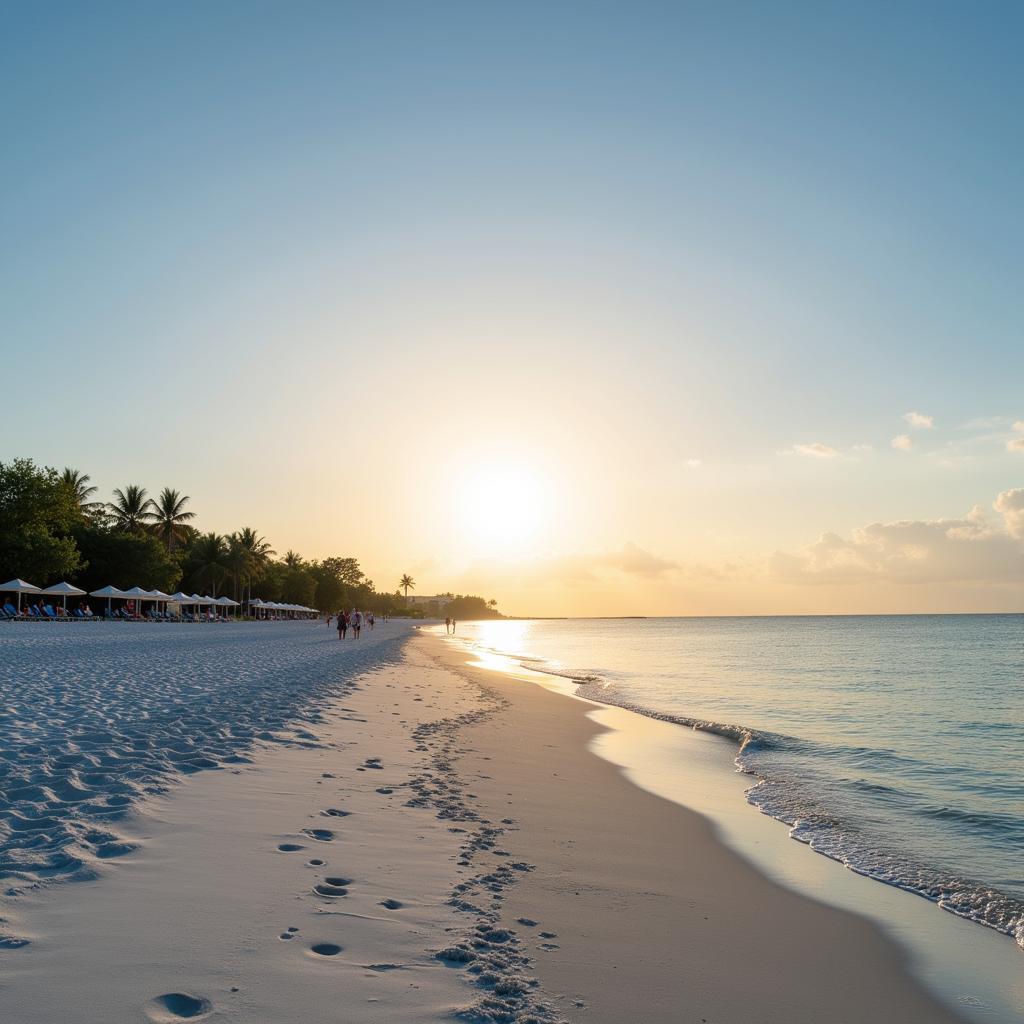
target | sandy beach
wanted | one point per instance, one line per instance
(422, 840)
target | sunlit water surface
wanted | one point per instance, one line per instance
(894, 744)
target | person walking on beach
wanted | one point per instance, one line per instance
(342, 620)
(357, 623)
(369, 618)
(328, 620)
(447, 624)
(453, 627)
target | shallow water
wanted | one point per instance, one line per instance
(894, 744)
(94, 716)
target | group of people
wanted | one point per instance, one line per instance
(44, 610)
(354, 620)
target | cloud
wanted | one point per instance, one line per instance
(694, 463)
(984, 423)
(919, 421)
(1016, 445)
(636, 562)
(815, 450)
(902, 442)
(1011, 505)
(975, 548)
(1019, 426)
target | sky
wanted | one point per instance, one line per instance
(593, 308)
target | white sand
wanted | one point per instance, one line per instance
(477, 826)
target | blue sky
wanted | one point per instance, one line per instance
(252, 242)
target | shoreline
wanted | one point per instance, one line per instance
(776, 952)
(484, 861)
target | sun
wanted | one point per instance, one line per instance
(501, 506)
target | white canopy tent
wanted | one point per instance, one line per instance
(19, 587)
(109, 593)
(138, 595)
(63, 590)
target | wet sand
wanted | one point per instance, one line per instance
(641, 913)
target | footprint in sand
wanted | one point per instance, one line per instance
(391, 904)
(321, 835)
(290, 847)
(316, 862)
(335, 812)
(174, 1006)
(325, 949)
(332, 887)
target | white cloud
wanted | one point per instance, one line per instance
(919, 421)
(1011, 505)
(975, 548)
(1019, 426)
(814, 450)
(984, 423)
(694, 463)
(902, 442)
(1016, 445)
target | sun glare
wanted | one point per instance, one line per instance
(501, 506)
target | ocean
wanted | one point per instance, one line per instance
(894, 744)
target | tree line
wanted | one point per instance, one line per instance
(53, 527)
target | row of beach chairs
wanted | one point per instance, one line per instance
(33, 613)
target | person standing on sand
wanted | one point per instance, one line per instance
(369, 618)
(453, 627)
(342, 625)
(328, 620)
(447, 624)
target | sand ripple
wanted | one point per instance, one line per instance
(94, 718)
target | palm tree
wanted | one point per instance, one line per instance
(79, 485)
(258, 552)
(169, 516)
(211, 558)
(292, 559)
(407, 583)
(131, 508)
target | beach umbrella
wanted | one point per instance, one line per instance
(159, 596)
(138, 595)
(180, 598)
(63, 591)
(19, 587)
(108, 593)
(226, 602)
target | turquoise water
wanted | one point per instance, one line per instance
(894, 744)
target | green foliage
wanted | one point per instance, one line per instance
(299, 586)
(124, 559)
(51, 528)
(340, 583)
(131, 510)
(37, 513)
(170, 517)
(208, 561)
(466, 607)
